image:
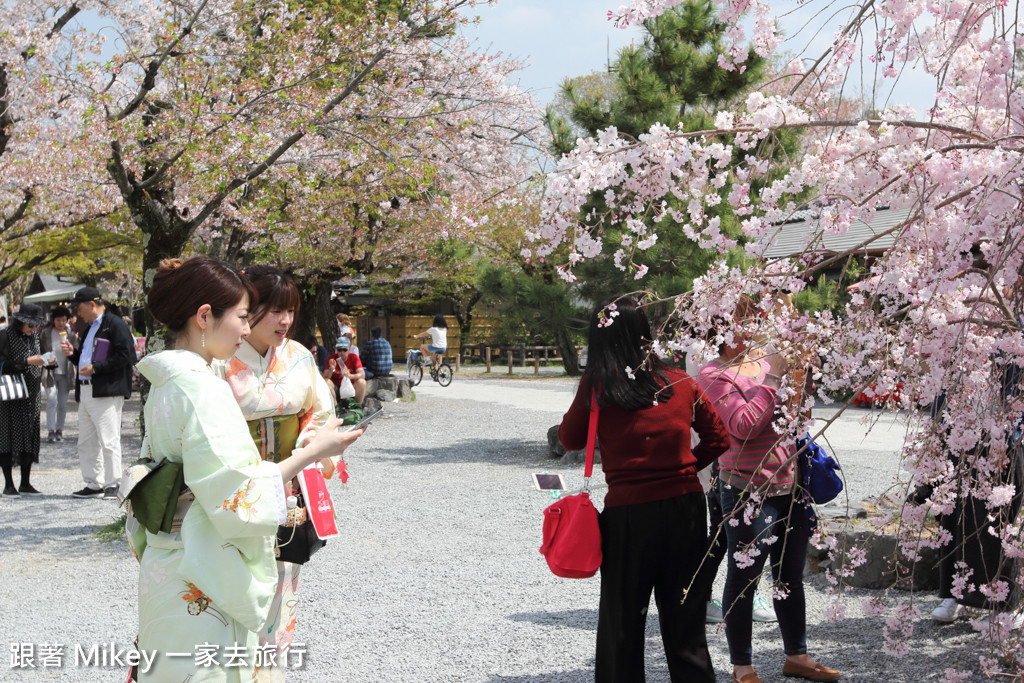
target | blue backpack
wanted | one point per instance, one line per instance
(818, 472)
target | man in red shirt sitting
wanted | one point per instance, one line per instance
(342, 364)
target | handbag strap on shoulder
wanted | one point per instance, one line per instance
(591, 442)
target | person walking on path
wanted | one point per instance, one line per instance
(210, 581)
(19, 419)
(764, 517)
(104, 362)
(284, 401)
(654, 523)
(59, 374)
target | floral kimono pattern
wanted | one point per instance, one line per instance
(209, 586)
(284, 382)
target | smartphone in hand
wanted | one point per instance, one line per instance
(365, 421)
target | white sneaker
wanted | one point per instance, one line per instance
(713, 613)
(763, 609)
(947, 611)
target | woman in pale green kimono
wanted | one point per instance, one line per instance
(284, 399)
(206, 583)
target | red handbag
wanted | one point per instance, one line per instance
(572, 537)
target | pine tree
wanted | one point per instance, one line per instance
(671, 78)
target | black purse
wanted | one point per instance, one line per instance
(296, 544)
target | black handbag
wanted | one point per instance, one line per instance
(296, 544)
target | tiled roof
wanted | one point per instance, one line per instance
(793, 237)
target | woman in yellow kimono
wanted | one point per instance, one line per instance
(206, 582)
(276, 382)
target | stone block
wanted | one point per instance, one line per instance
(568, 457)
(382, 383)
(579, 457)
(385, 395)
(880, 570)
(557, 449)
(404, 390)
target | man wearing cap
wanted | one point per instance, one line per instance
(342, 364)
(104, 363)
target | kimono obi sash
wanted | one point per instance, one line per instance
(275, 436)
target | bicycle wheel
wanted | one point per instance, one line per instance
(415, 373)
(444, 375)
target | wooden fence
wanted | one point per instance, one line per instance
(511, 355)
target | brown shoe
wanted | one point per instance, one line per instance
(748, 678)
(810, 673)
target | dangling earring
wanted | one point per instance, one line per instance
(203, 340)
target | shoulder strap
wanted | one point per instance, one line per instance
(591, 442)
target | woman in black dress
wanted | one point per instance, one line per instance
(19, 420)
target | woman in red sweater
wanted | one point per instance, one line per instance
(654, 525)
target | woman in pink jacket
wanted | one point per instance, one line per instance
(763, 517)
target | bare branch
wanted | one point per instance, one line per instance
(285, 145)
(149, 78)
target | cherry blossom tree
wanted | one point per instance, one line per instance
(267, 125)
(940, 315)
(50, 213)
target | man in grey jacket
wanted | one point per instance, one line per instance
(60, 373)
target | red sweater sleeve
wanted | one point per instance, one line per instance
(714, 437)
(573, 430)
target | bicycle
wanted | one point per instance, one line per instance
(442, 373)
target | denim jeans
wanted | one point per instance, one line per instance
(785, 519)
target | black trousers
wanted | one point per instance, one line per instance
(653, 547)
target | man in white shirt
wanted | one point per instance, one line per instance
(104, 363)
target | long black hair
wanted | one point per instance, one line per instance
(620, 337)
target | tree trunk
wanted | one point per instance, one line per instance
(305, 318)
(567, 349)
(464, 316)
(314, 312)
(325, 315)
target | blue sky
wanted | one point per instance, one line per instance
(564, 38)
(558, 38)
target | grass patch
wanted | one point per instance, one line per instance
(113, 531)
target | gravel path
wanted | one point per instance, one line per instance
(436, 576)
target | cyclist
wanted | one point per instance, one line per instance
(438, 334)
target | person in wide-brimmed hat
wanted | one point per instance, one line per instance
(19, 419)
(30, 314)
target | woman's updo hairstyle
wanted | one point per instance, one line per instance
(275, 291)
(181, 287)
